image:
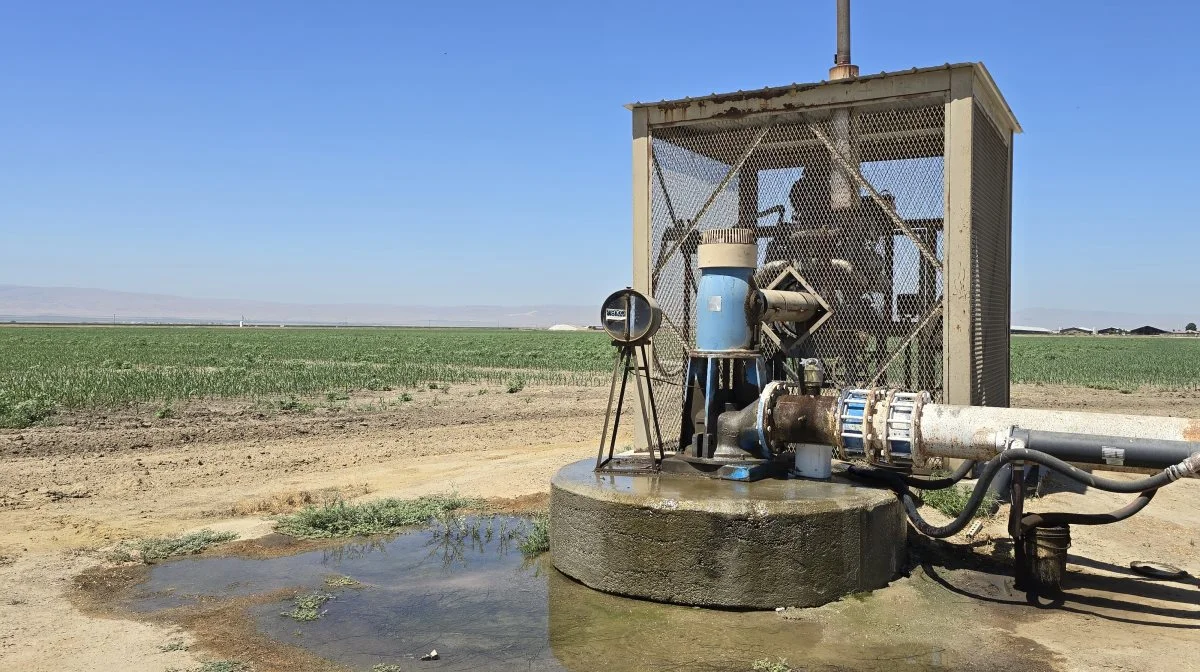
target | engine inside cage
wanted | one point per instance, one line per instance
(852, 200)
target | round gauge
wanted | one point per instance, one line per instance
(630, 317)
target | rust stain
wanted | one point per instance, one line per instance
(1192, 431)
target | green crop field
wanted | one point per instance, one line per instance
(74, 367)
(48, 368)
(1107, 362)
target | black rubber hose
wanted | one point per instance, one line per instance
(939, 483)
(993, 467)
(1051, 519)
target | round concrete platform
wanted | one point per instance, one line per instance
(699, 541)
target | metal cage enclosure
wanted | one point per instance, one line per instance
(889, 195)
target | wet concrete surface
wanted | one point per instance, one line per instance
(710, 542)
(473, 596)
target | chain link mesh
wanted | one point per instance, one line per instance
(849, 197)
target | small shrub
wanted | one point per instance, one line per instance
(537, 539)
(951, 501)
(339, 519)
(433, 386)
(307, 607)
(516, 385)
(406, 397)
(481, 392)
(165, 412)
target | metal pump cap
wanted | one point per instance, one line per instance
(728, 248)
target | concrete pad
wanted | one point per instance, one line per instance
(699, 541)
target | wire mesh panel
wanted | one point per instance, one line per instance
(851, 198)
(990, 262)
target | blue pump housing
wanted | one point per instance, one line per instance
(721, 322)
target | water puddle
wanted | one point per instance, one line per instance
(465, 589)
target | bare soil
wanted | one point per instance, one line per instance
(71, 490)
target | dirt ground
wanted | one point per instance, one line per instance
(70, 490)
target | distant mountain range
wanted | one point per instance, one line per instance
(70, 304)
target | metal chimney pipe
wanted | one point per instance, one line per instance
(843, 33)
(842, 67)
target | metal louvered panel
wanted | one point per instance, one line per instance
(990, 263)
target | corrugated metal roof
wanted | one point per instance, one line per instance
(772, 91)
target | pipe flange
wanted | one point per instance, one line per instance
(768, 433)
(870, 448)
(917, 445)
(885, 413)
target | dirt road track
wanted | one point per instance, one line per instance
(69, 490)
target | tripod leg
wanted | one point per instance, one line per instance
(612, 388)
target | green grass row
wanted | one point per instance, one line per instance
(1107, 362)
(90, 367)
(47, 368)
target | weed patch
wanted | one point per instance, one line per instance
(768, 665)
(160, 548)
(21, 413)
(173, 645)
(337, 581)
(951, 501)
(307, 607)
(537, 539)
(516, 385)
(339, 519)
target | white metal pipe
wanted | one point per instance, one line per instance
(979, 432)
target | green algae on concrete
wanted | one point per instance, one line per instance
(698, 541)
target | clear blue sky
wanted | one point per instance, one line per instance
(479, 153)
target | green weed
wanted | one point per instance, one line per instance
(337, 581)
(537, 539)
(21, 413)
(165, 412)
(516, 385)
(406, 397)
(951, 501)
(216, 666)
(307, 607)
(173, 645)
(386, 667)
(160, 548)
(339, 519)
(768, 665)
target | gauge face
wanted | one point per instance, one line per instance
(630, 317)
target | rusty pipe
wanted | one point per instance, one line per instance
(843, 33)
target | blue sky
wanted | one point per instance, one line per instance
(460, 153)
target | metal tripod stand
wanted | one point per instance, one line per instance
(630, 359)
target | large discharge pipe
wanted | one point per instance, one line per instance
(882, 427)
